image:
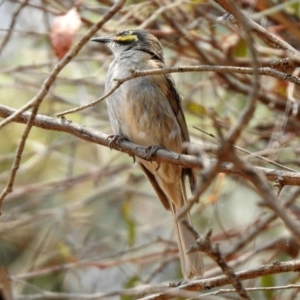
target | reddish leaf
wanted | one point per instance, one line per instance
(63, 32)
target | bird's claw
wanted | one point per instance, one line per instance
(177, 284)
(151, 151)
(114, 140)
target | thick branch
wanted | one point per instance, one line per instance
(92, 135)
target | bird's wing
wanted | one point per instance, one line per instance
(168, 87)
(174, 98)
(171, 93)
(160, 193)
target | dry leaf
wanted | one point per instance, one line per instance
(63, 32)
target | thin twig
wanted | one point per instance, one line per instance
(203, 244)
(12, 24)
(210, 283)
(94, 136)
(220, 69)
(37, 100)
(265, 35)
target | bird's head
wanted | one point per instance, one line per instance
(135, 39)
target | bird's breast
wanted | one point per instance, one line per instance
(140, 111)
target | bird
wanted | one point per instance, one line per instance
(147, 111)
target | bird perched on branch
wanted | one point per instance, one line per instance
(147, 111)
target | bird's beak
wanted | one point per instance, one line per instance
(103, 40)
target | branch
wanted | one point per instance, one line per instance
(171, 290)
(204, 244)
(219, 69)
(266, 36)
(12, 25)
(207, 284)
(162, 155)
(37, 100)
(61, 64)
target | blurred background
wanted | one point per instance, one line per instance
(82, 218)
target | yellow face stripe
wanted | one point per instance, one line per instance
(127, 38)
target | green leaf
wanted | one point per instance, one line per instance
(196, 108)
(129, 222)
(130, 283)
(294, 8)
(267, 281)
(241, 49)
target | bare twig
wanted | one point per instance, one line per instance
(203, 244)
(167, 292)
(36, 101)
(219, 69)
(12, 24)
(94, 136)
(206, 284)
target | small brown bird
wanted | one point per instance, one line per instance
(147, 111)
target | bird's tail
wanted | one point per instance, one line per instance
(191, 263)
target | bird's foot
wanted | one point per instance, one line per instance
(115, 140)
(151, 151)
(177, 284)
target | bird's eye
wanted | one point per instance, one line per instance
(127, 36)
(123, 33)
